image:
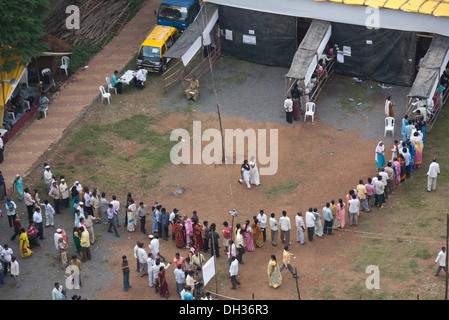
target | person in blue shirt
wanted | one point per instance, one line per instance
(115, 82)
(188, 295)
(328, 219)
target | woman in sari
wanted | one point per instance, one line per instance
(77, 240)
(334, 210)
(397, 167)
(256, 233)
(163, 286)
(247, 237)
(318, 223)
(411, 150)
(24, 244)
(380, 155)
(403, 171)
(274, 275)
(341, 213)
(179, 235)
(189, 232)
(197, 234)
(418, 154)
(131, 216)
(63, 253)
(17, 185)
(32, 236)
(2, 187)
(17, 227)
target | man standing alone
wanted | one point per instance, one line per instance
(432, 174)
(441, 259)
(288, 107)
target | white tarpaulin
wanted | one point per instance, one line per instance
(208, 270)
(191, 40)
(311, 47)
(351, 14)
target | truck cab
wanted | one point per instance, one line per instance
(177, 13)
(160, 39)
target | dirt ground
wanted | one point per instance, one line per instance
(326, 161)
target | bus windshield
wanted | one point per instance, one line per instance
(150, 52)
(172, 13)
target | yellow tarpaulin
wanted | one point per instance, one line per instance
(432, 7)
(5, 88)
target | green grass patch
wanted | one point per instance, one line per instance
(281, 188)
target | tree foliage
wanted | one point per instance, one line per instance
(21, 28)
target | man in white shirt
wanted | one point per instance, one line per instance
(142, 256)
(15, 272)
(6, 255)
(150, 264)
(154, 247)
(49, 214)
(354, 208)
(56, 294)
(441, 260)
(274, 230)
(48, 178)
(140, 78)
(262, 217)
(233, 272)
(379, 187)
(288, 107)
(116, 206)
(432, 174)
(56, 237)
(37, 219)
(56, 195)
(310, 224)
(285, 226)
(300, 228)
(240, 245)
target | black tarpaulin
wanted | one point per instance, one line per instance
(430, 70)
(379, 54)
(273, 36)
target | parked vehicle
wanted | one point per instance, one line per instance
(160, 39)
(177, 13)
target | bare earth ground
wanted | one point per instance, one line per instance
(324, 161)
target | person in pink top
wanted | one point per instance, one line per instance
(370, 191)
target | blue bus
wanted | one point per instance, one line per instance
(177, 13)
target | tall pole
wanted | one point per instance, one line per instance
(447, 236)
(221, 131)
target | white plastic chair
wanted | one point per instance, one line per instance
(389, 125)
(65, 65)
(105, 95)
(109, 85)
(13, 116)
(27, 103)
(45, 112)
(46, 70)
(310, 110)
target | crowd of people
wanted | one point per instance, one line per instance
(89, 207)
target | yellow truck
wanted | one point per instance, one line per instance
(160, 39)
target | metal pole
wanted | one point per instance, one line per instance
(447, 236)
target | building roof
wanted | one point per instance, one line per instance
(432, 7)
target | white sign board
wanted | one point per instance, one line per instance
(208, 270)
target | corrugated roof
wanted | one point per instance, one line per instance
(432, 7)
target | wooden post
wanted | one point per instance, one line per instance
(222, 137)
(297, 286)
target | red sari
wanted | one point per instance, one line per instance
(179, 235)
(198, 237)
(163, 286)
